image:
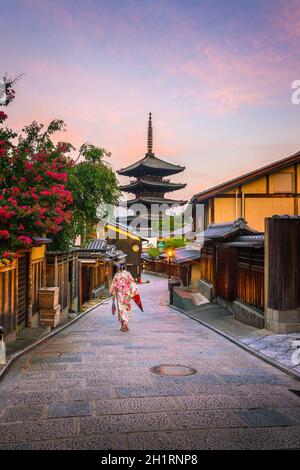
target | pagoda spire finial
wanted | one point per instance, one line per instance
(150, 135)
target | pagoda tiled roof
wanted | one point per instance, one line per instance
(151, 162)
(152, 200)
(147, 183)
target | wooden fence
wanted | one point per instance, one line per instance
(62, 271)
(283, 251)
(236, 273)
(207, 264)
(19, 286)
(8, 281)
(37, 279)
(161, 266)
(226, 273)
(250, 277)
(93, 274)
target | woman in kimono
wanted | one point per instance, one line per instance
(123, 288)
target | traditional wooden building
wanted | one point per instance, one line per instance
(273, 189)
(149, 184)
(129, 242)
(282, 274)
(96, 269)
(19, 286)
(254, 275)
(232, 270)
(62, 272)
(179, 266)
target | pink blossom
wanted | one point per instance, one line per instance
(26, 241)
(46, 192)
(4, 234)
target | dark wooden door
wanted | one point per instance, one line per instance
(7, 300)
(186, 275)
(86, 284)
(22, 291)
(226, 273)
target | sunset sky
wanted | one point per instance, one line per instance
(216, 75)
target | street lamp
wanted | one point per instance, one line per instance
(170, 253)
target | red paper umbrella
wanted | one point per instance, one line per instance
(138, 301)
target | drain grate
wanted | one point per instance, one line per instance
(296, 392)
(173, 370)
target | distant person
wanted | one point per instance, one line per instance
(123, 288)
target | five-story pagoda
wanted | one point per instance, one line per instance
(149, 185)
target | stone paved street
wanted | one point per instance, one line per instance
(90, 387)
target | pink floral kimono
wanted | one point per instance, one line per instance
(123, 288)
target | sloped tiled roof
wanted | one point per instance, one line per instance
(184, 255)
(99, 248)
(152, 200)
(42, 240)
(98, 244)
(286, 216)
(248, 241)
(165, 186)
(120, 255)
(146, 256)
(151, 162)
(224, 230)
(111, 249)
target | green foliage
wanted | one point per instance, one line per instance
(38, 139)
(93, 184)
(153, 252)
(93, 154)
(175, 242)
(64, 240)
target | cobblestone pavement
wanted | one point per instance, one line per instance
(90, 387)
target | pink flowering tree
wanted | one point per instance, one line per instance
(43, 192)
(34, 199)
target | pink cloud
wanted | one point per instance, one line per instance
(103, 71)
(286, 20)
(218, 76)
(223, 79)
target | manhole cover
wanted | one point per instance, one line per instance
(173, 369)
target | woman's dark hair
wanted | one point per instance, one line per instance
(122, 266)
(115, 268)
